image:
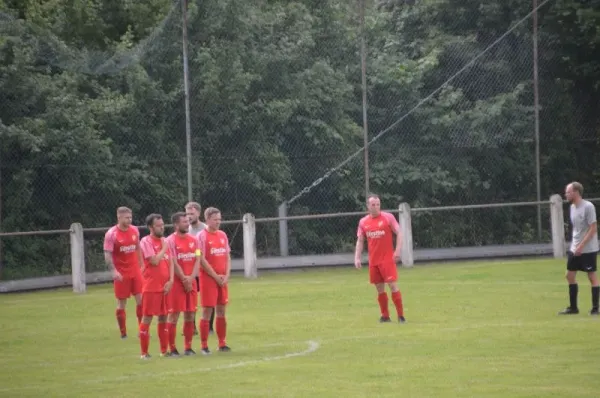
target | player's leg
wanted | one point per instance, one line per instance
(161, 327)
(375, 278)
(573, 265)
(145, 324)
(221, 320)
(591, 268)
(208, 300)
(136, 291)
(188, 331)
(197, 287)
(188, 320)
(122, 292)
(175, 305)
(390, 274)
(172, 320)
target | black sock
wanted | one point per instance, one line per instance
(595, 296)
(212, 319)
(573, 290)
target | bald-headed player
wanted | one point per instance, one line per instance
(123, 258)
(584, 247)
(378, 228)
(193, 211)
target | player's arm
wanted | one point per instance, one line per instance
(140, 257)
(360, 245)
(228, 269)
(196, 269)
(590, 217)
(156, 258)
(172, 263)
(176, 267)
(209, 269)
(395, 226)
(203, 263)
(109, 245)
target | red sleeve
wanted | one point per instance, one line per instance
(172, 246)
(136, 231)
(147, 249)
(393, 222)
(360, 232)
(226, 242)
(109, 240)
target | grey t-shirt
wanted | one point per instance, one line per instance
(582, 217)
(196, 231)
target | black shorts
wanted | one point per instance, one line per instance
(586, 262)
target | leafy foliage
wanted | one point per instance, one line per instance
(92, 111)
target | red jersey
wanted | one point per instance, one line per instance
(379, 233)
(123, 245)
(155, 276)
(185, 250)
(215, 247)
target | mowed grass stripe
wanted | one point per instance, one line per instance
(474, 329)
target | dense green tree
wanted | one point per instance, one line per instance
(92, 114)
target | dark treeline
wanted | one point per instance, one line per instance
(92, 115)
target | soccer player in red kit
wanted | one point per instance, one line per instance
(378, 227)
(158, 279)
(123, 258)
(214, 275)
(184, 294)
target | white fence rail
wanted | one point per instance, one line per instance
(250, 264)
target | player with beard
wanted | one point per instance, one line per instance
(158, 279)
(184, 296)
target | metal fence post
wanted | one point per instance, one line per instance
(283, 230)
(249, 228)
(557, 220)
(77, 258)
(407, 239)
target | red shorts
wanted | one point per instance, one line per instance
(383, 273)
(211, 294)
(129, 286)
(180, 301)
(154, 304)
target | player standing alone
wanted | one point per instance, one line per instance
(214, 275)
(582, 254)
(184, 296)
(158, 279)
(123, 258)
(378, 227)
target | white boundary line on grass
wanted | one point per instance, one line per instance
(312, 347)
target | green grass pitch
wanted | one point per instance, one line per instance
(474, 330)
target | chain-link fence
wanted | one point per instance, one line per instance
(92, 114)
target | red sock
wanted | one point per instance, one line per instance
(204, 329)
(221, 329)
(138, 312)
(188, 333)
(172, 328)
(144, 338)
(383, 304)
(397, 299)
(163, 336)
(121, 320)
